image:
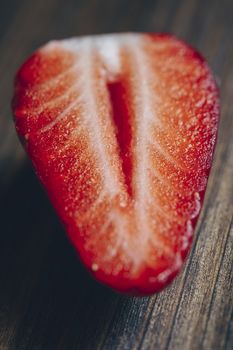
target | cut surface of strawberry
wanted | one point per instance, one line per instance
(121, 130)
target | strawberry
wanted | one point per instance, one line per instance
(121, 131)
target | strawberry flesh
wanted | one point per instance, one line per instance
(121, 131)
(121, 119)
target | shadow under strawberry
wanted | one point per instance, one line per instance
(47, 299)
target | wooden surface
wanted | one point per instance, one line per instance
(47, 301)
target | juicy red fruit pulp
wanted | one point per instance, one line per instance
(121, 119)
(121, 131)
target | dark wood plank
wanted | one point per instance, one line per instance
(47, 300)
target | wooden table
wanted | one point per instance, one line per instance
(47, 301)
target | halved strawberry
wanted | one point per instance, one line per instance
(121, 131)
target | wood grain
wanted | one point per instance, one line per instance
(47, 300)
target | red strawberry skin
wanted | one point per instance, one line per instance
(121, 131)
